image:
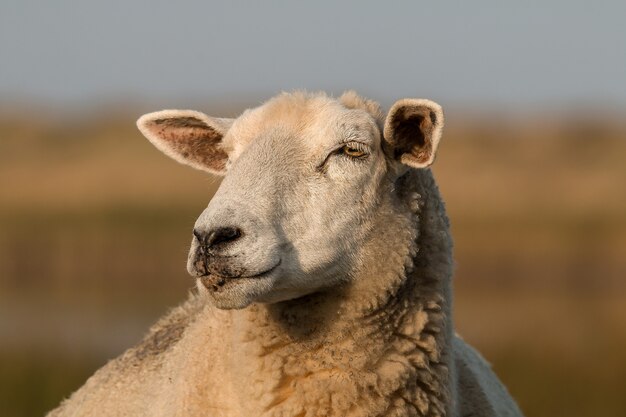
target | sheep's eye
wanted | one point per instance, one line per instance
(353, 152)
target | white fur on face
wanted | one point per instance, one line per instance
(303, 203)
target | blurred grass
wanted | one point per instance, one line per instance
(95, 225)
(32, 383)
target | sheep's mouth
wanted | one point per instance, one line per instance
(218, 283)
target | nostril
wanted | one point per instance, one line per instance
(208, 239)
(223, 235)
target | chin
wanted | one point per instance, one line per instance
(235, 293)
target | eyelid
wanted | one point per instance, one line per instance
(333, 151)
(362, 146)
(358, 142)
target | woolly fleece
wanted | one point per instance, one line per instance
(382, 345)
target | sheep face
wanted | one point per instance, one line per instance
(306, 180)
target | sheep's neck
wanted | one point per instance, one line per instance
(378, 350)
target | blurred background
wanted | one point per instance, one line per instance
(95, 223)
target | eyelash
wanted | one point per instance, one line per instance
(341, 152)
(353, 150)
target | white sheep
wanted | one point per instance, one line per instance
(323, 265)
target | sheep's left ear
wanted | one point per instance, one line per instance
(412, 131)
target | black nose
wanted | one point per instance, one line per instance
(217, 236)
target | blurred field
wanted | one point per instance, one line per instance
(95, 224)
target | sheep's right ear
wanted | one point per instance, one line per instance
(190, 137)
(412, 131)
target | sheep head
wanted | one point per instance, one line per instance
(306, 180)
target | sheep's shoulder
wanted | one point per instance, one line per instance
(126, 384)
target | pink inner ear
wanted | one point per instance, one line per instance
(191, 140)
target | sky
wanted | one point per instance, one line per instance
(474, 53)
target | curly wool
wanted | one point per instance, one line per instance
(381, 346)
